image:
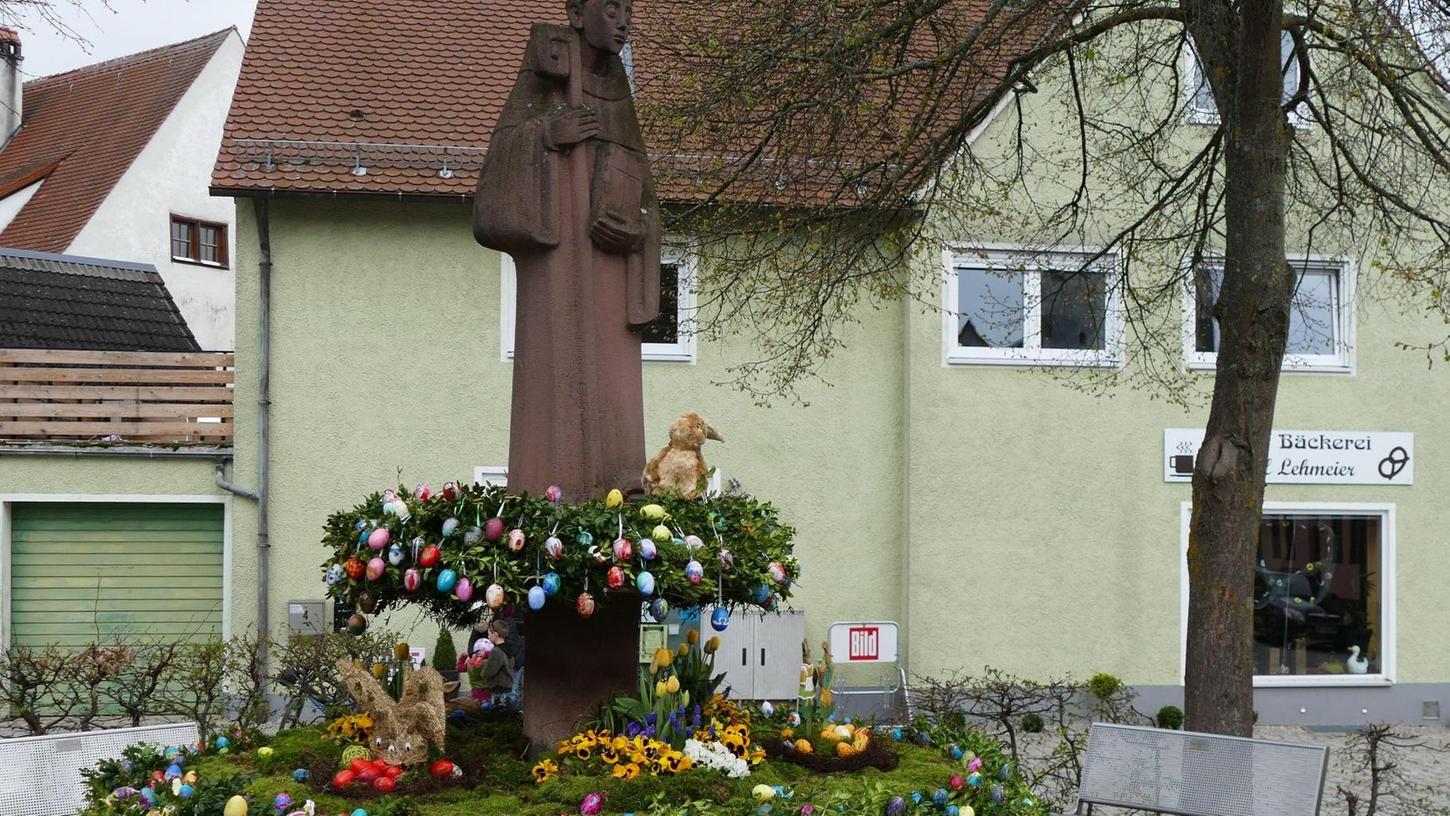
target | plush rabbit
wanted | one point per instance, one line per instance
(404, 727)
(679, 466)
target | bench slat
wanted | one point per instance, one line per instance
(1188, 774)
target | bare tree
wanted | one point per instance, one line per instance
(827, 149)
(56, 15)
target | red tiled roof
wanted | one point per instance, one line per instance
(87, 126)
(9, 35)
(376, 96)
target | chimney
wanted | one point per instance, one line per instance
(10, 102)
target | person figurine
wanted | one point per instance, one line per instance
(566, 190)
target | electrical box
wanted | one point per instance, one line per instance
(760, 652)
(306, 617)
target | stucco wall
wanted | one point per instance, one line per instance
(385, 358)
(172, 175)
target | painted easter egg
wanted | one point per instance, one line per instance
(385, 784)
(301, 775)
(719, 619)
(429, 556)
(727, 560)
(615, 577)
(584, 604)
(172, 772)
(760, 594)
(997, 794)
(974, 779)
(335, 574)
(554, 493)
(360, 812)
(940, 797)
(463, 589)
(661, 534)
(236, 806)
(412, 579)
(442, 769)
(659, 609)
(554, 548)
(446, 580)
(148, 797)
(395, 555)
(367, 602)
(896, 806)
(956, 782)
(763, 793)
(124, 794)
(389, 495)
(282, 801)
(955, 751)
(585, 538)
(694, 572)
(356, 625)
(552, 582)
(536, 597)
(591, 804)
(1005, 772)
(516, 540)
(623, 549)
(472, 535)
(450, 526)
(222, 742)
(493, 529)
(355, 568)
(376, 568)
(451, 491)
(767, 709)
(652, 511)
(493, 596)
(645, 583)
(423, 491)
(614, 499)
(647, 550)
(693, 542)
(776, 570)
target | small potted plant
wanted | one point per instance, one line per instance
(444, 658)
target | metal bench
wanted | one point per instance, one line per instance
(42, 775)
(1188, 774)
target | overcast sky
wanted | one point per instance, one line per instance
(126, 27)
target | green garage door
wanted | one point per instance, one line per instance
(139, 569)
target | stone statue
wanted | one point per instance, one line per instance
(566, 190)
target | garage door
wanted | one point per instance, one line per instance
(137, 569)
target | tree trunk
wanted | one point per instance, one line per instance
(572, 663)
(1253, 312)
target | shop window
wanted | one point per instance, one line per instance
(1321, 317)
(1049, 309)
(1319, 596)
(669, 338)
(200, 242)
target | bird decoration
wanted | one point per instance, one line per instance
(679, 467)
(1356, 664)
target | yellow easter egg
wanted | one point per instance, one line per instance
(804, 746)
(763, 793)
(265, 751)
(844, 749)
(236, 806)
(614, 499)
(652, 511)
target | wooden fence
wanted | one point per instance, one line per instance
(116, 396)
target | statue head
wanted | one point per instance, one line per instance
(603, 23)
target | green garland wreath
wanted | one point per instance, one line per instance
(739, 545)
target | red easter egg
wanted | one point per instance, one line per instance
(615, 577)
(342, 779)
(367, 777)
(384, 784)
(429, 556)
(354, 568)
(357, 766)
(393, 771)
(493, 529)
(442, 769)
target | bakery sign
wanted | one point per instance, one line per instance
(1310, 457)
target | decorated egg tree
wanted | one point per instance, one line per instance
(582, 571)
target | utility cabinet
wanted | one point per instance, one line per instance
(760, 652)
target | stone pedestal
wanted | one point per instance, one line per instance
(573, 663)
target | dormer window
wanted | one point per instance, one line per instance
(198, 242)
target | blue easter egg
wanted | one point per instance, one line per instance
(362, 534)
(916, 797)
(659, 609)
(585, 538)
(997, 793)
(186, 791)
(395, 555)
(763, 810)
(222, 742)
(923, 739)
(645, 583)
(1005, 773)
(360, 812)
(974, 779)
(171, 752)
(760, 593)
(536, 597)
(720, 618)
(301, 775)
(953, 810)
(940, 797)
(896, 733)
(447, 579)
(173, 771)
(552, 582)
(955, 751)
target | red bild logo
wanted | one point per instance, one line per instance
(865, 643)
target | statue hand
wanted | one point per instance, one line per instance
(611, 234)
(570, 126)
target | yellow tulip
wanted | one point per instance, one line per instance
(692, 637)
(825, 697)
(673, 685)
(684, 649)
(664, 657)
(379, 670)
(660, 688)
(712, 645)
(400, 651)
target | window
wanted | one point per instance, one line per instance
(1321, 317)
(1019, 308)
(669, 338)
(1323, 595)
(1201, 107)
(200, 242)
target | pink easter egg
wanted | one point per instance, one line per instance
(376, 568)
(623, 549)
(463, 589)
(412, 579)
(378, 538)
(493, 529)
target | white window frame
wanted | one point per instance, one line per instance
(1192, 73)
(685, 349)
(1341, 363)
(497, 475)
(1385, 512)
(1030, 262)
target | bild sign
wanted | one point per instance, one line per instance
(863, 642)
(1310, 457)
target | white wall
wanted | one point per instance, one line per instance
(11, 205)
(172, 175)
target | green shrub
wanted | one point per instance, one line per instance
(1103, 686)
(1033, 724)
(444, 658)
(1170, 717)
